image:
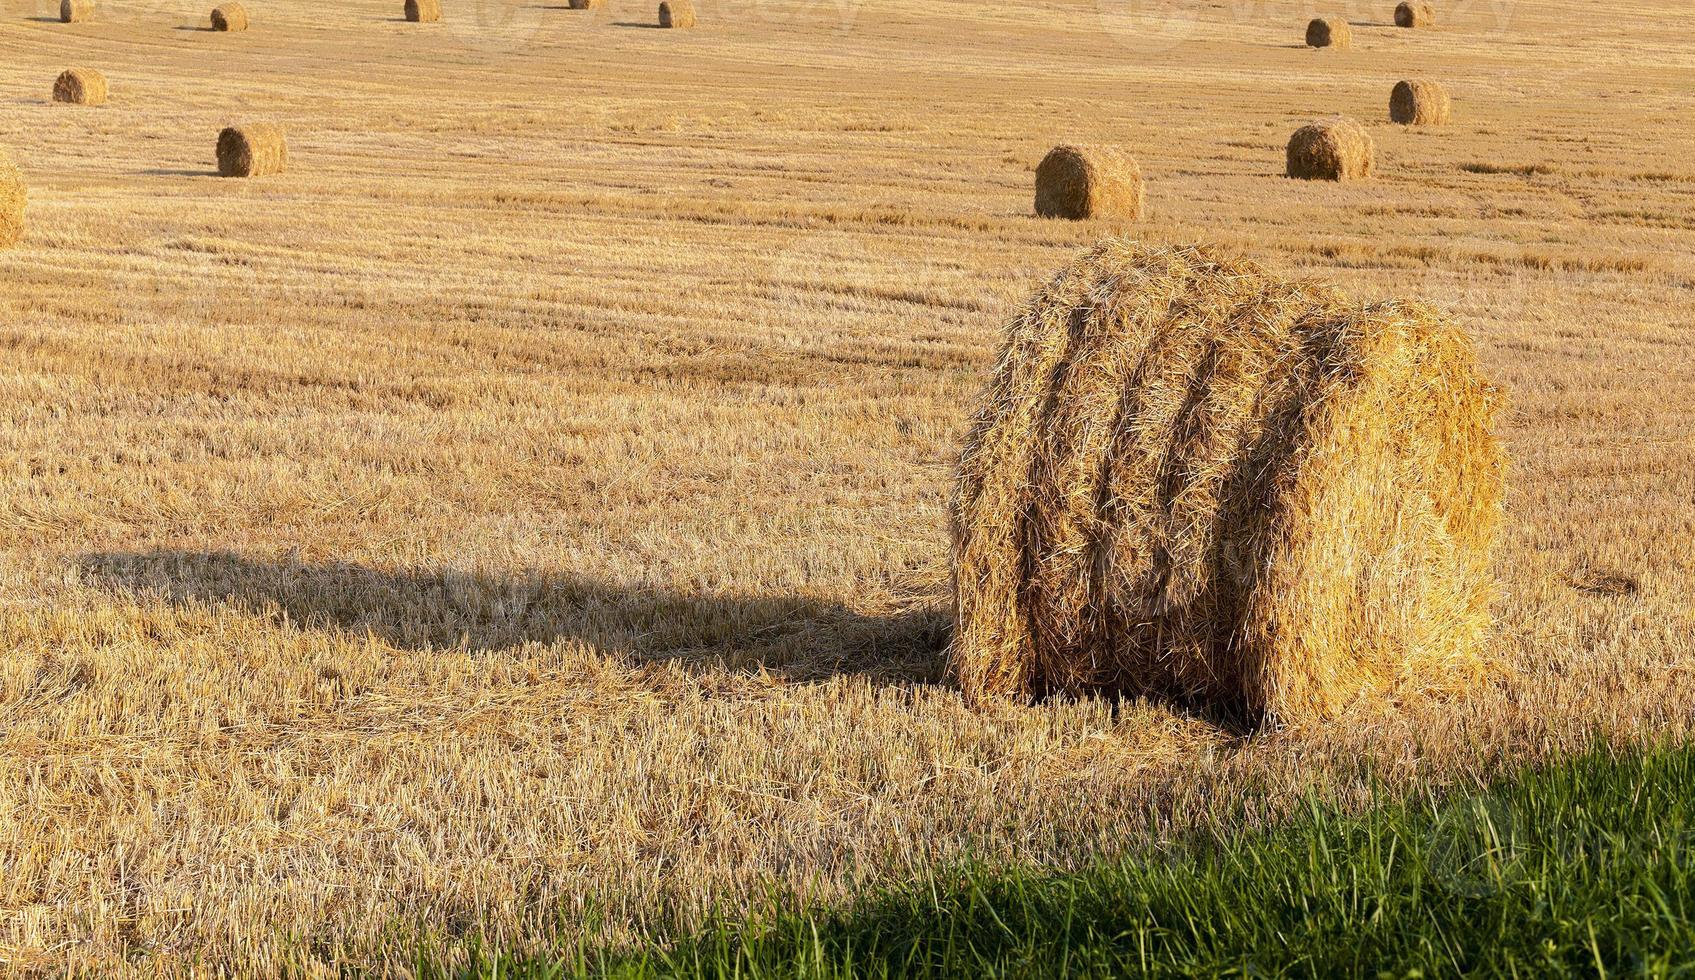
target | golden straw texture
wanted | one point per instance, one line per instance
(12, 198)
(1332, 149)
(1329, 32)
(80, 86)
(1088, 182)
(254, 150)
(1193, 480)
(229, 17)
(1420, 102)
(676, 13)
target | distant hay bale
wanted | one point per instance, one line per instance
(423, 11)
(12, 198)
(1080, 182)
(80, 86)
(1334, 149)
(1420, 102)
(229, 17)
(1192, 480)
(253, 150)
(76, 11)
(586, 4)
(1329, 32)
(1415, 14)
(676, 13)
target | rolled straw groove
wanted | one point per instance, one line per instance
(1193, 480)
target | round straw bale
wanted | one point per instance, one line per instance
(1420, 102)
(1329, 32)
(80, 86)
(1195, 481)
(229, 17)
(253, 150)
(1088, 182)
(586, 4)
(1415, 13)
(423, 11)
(1333, 149)
(12, 197)
(76, 11)
(676, 13)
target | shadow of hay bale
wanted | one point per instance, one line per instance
(794, 637)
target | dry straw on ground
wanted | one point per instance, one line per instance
(1088, 182)
(547, 576)
(1420, 102)
(1415, 14)
(1332, 149)
(253, 150)
(229, 17)
(76, 11)
(1329, 32)
(423, 11)
(1194, 480)
(80, 86)
(676, 13)
(12, 198)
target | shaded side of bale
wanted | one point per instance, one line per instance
(80, 86)
(12, 199)
(1195, 481)
(253, 150)
(676, 13)
(423, 11)
(1420, 102)
(1334, 149)
(1080, 182)
(1329, 32)
(1414, 14)
(76, 11)
(229, 17)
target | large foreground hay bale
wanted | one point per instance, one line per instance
(1415, 14)
(1420, 102)
(80, 86)
(229, 17)
(253, 150)
(1088, 182)
(676, 13)
(423, 11)
(76, 11)
(1193, 480)
(1329, 32)
(1332, 149)
(12, 198)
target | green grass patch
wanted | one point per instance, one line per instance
(1579, 869)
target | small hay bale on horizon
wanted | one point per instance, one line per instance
(1331, 149)
(1420, 102)
(1080, 182)
(252, 150)
(1329, 32)
(80, 86)
(1196, 481)
(229, 17)
(585, 4)
(13, 197)
(76, 11)
(1415, 13)
(423, 11)
(676, 13)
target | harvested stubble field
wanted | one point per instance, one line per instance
(534, 500)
